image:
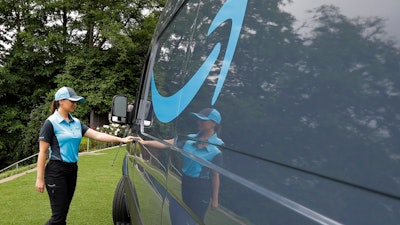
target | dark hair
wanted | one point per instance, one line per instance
(217, 129)
(54, 106)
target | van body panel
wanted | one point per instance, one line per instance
(309, 95)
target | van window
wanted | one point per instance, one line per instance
(310, 107)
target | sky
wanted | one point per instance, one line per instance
(387, 9)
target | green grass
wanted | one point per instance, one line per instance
(16, 171)
(21, 204)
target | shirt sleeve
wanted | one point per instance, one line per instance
(179, 142)
(84, 128)
(46, 132)
(217, 160)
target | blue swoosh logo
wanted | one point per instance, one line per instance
(168, 108)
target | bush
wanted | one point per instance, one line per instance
(112, 129)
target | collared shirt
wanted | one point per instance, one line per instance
(64, 137)
(210, 153)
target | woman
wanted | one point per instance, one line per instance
(59, 138)
(199, 183)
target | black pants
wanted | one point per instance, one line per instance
(196, 193)
(60, 179)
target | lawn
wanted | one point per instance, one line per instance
(21, 204)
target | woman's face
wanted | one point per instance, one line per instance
(68, 105)
(204, 125)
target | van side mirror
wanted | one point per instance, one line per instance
(119, 109)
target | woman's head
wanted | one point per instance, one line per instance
(67, 98)
(209, 114)
(68, 93)
(208, 119)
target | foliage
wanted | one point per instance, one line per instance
(97, 48)
(113, 129)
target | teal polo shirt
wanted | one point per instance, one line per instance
(210, 153)
(64, 137)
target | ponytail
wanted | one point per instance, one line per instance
(217, 129)
(54, 106)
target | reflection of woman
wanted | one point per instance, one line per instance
(59, 138)
(199, 183)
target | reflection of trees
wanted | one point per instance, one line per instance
(344, 61)
(325, 101)
(333, 89)
(184, 47)
(344, 72)
(358, 73)
(314, 98)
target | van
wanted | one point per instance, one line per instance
(302, 99)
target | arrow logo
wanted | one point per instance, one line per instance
(168, 108)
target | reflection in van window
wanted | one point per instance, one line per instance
(199, 184)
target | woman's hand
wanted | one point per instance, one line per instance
(214, 204)
(40, 185)
(129, 139)
(139, 139)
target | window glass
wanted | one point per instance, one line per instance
(310, 107)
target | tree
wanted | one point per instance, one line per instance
(30, 63)
(98, 48)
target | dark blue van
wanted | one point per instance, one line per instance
(300, 101)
